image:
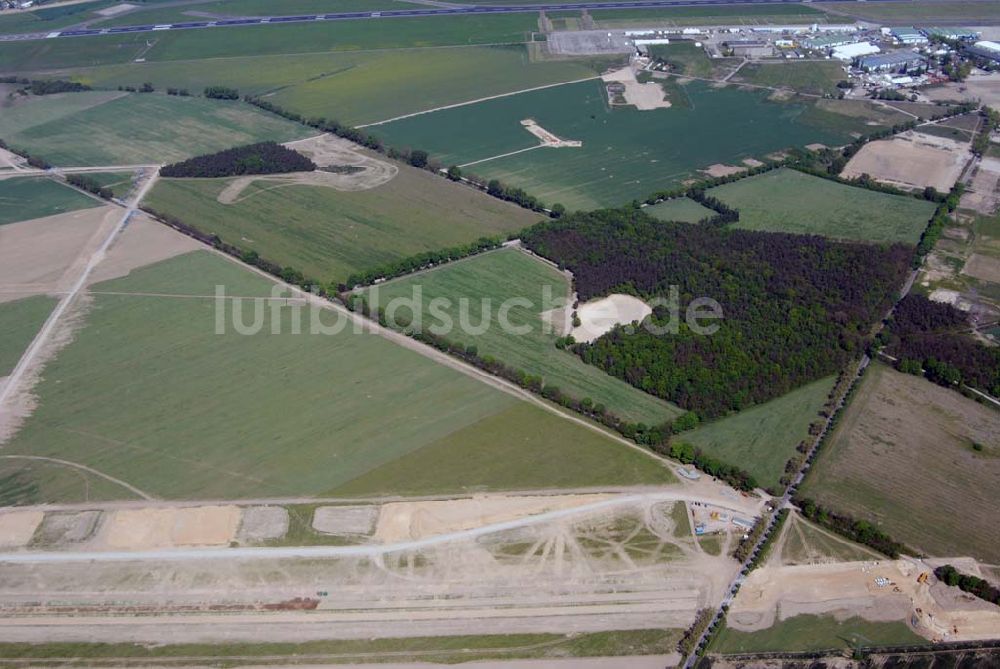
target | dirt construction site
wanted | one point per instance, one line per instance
(911, 160)
(490, 565)
(884, 590)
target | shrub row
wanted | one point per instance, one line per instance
(973, 585)
(932, 233)
(860, 531)
(286, 274)
(419, 262)
(686, 645)
(35, 161)
(688, 454)
(45, 86)
(90, 185)
(768, 544)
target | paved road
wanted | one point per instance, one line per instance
(400, 13)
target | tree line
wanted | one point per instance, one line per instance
(796, 308)
(90, 185)
(973, 585)
(860, 531)
(35, 161)
(45, 86)
(261, 158)
(931, 339)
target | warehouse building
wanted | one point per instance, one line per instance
(749, 48)
(952, 33)
(986, 49)
(854, 50)
(826, 42)
(893, 61)
(908, 35)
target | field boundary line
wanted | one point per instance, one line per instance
(503, 155)
(478, 100)
(89, 470)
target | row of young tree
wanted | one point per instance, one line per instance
(418, 262)
(860, 531)
(90, 185)
(795, 308)
(260, 158)
(45, 86)
(931, 339)
(973, 585)
(35, 161)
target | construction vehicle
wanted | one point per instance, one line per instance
(923, 577)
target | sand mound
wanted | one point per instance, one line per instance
(598, 317)
(17, 527)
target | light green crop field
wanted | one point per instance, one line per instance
(814, 77)
(25, 198)
(148, 393)
(238, 8)
(681, 209)
(443, 649)
(141, 128)
(361, 86)
(20, 321)
(48, 19)
(786, 200)
(329, 234)
(762, 438)
(291, 38)
(626, 153)
(808, 632)
(501, 275)
(901, 434)
(927, 10)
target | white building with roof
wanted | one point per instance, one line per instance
(854, 50)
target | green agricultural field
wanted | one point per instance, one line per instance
(786, 200)
(680, 209)
(626, 154)
(921, 12)
(813, 77)
(237, 8)
(20, 321)
(139, 128)
(25, 198)
(148, 393)
(291, 38)
(806, 543)
(509, 273)
(443, 649)
(762, 439)
(49, 19)
(329, 234)
(809, 632)
(901, 434)
(361, 86)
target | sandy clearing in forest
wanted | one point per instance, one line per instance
(598, 317)
(145, 529)
(404, 521)
(142, 243)
(645, 97)
(911, 160)
(47, 254)
(849, 589)
(17, 527)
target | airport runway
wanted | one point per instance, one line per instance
(402, 13)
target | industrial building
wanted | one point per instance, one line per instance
(892, 61)
(952, 33)
(854, 50)
(908, 35)
(749, 48)
(986, 49)
(824, 42)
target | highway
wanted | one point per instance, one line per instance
(400, 13)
